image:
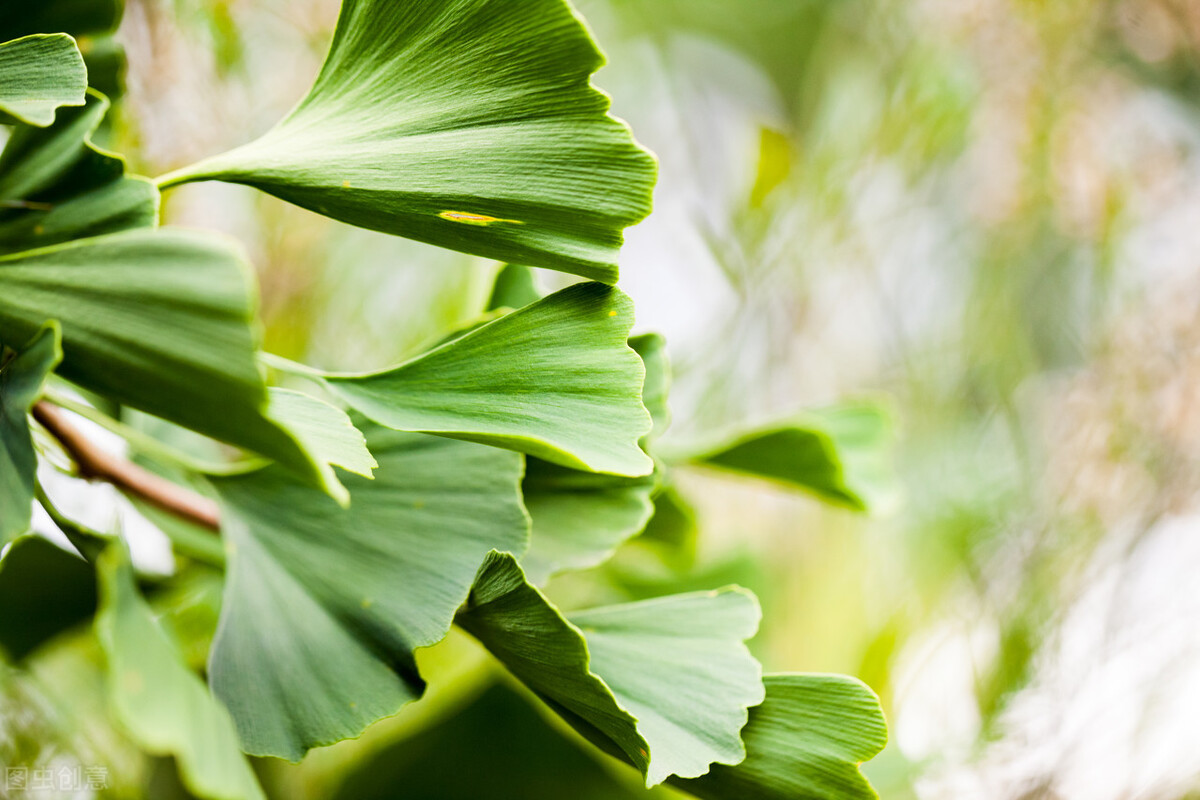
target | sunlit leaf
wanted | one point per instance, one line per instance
(157, 320)
(325, 431)
(805, 742)
(324, 606)
(59, 186)
(469, 124)
(21, 382)
(555, 379)
(164, 706)
(44, 591)
(839, 454)
(666, 682)
(41, 74)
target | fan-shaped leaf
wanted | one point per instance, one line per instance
(90, 21)
(805, 742)
(158, 320)
(469, 124)
(21, 382)
(666, 683)
(41, 74)
(324, 606)
(555, 379)
(325, 431)
(165, 707)
(840, 454)
(57, 186)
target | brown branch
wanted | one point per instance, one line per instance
(96, 465)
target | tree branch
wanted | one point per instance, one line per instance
(96, 465)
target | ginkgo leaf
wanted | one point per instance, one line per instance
(666, 683)
(468, 124)
(515, 287)
(91, 22)
(41, 73)
(805, 742)
(514, 755)
(21, 383)
(581, 518)
(839, 454)
(164, 706)
(325, 431)
(157, 320)
(56, 185)
(44, 591)
(324, 606)
(555, 379)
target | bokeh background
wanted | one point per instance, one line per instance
(985, 213)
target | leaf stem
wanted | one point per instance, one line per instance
(96, 465)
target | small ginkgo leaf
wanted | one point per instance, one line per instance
(56, 185)
(805, 742)
(157, 320)
(515, 287)
(21, 383)
(44, 591)
(468, 124)
(555, 379)
(91, 22)
(326, 432)
(42, 73)
(839, 454)
(324, 606)
(163, 706)
(664, 683)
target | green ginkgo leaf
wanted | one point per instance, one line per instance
(805, 742)
(515, 287)
(555, 379)
(581, 518)
(56, 185)
(44, 591)
(91, 22)
(42, 73)
(469, 124)
(164, 706)
(157, 320)
(664, 683)
(839, 454)
(21, 383)
(324, 606)
(325, 431)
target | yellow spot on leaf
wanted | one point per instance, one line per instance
(642, 750)
(38, 230)
(612, 313)
(367, 602)
(345, 184)
(482, 220)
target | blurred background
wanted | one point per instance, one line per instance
(985, 212)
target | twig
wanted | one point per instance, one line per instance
(96, 465)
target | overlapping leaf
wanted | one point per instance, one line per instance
(324, 606)
(805, 742)
(42, 73)
(469, 124)
(325, 431)
(665, 683)
(91, 22)
(157, 320)
(555, 379)
(580, 518)
(839, 454)
(44, 591)
(55, 185)
(21, 382)
(164, 706)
